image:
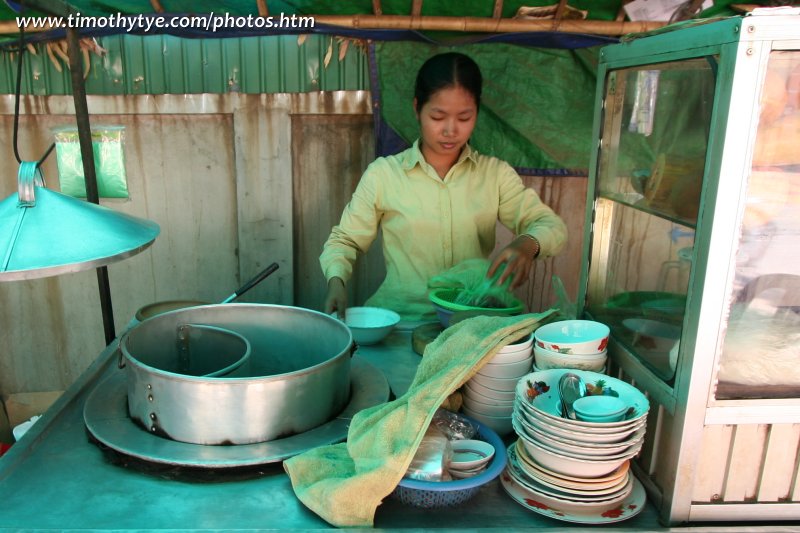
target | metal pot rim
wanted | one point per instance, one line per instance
(350, 346)
(185, 377)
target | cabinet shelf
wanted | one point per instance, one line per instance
(640, 203)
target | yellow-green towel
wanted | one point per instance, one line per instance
(344, 483)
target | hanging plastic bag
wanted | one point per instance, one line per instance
(565, 307)
(453, 425)
(432, 457)
(109, 162)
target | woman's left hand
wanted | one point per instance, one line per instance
(518, 257)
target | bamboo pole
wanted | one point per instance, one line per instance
(477, 24)
(157, 7)
(621, 13)
(562, 5)
(416, 8)
(10, 26)
(498, 9)
(465, 24)
(263, 10)
(376, 8)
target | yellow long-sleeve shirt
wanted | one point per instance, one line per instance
(431, 224)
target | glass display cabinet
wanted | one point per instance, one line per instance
(692, 257)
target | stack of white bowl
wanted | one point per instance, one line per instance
(573, 465)
(577, 344)
(489, 395)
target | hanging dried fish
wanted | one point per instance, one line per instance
(344, 45)
(328, 54)
(51, 55)
(60, 49)
(87, 63)
(92, 45)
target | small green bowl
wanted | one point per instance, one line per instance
(600, 408)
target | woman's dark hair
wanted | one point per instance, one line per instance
(447, 70)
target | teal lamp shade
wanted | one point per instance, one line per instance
(46, 233)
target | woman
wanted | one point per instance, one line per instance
(437, 202)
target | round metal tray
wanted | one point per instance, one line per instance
(106, 417)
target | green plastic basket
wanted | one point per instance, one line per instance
(442, 300)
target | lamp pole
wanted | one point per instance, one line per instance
(89, 171)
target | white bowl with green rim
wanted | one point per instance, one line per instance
(526, 430)
(573, 336)
(538, 391)
(590, 435)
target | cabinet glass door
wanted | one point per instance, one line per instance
(650, 170)
(761, 350)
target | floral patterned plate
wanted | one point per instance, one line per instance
(628, 508)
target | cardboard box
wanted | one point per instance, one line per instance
(22, 406)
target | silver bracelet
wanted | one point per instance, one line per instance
(535, 241)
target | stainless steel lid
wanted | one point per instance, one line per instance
(46, 233)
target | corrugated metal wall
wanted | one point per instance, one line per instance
(162, 64)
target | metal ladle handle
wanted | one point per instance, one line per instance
(252, 283)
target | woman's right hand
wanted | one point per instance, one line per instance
(336, 299)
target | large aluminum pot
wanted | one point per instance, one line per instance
(296, 378)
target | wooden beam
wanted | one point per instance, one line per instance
(157, 7)
(485, 24)
(416, 8)
(263, 10)
(376, 8)
(498, 9)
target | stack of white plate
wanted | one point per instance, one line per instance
(489, 395)
(580, 468)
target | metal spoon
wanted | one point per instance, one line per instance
(570, 388)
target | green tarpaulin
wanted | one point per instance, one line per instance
(536, 108)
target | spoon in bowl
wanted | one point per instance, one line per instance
(570, 388)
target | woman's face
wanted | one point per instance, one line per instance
(446, 122)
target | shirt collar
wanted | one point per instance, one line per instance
(413, 156)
